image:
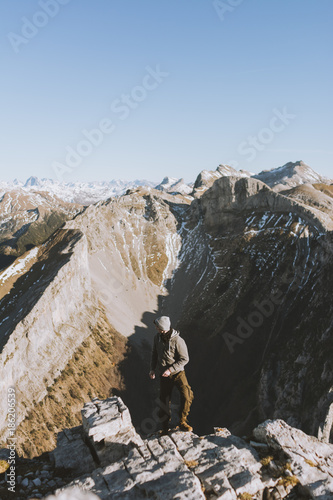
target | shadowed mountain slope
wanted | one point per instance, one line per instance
(256, 307)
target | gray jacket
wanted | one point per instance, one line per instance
(170, 354)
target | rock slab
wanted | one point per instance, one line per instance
(283, 462)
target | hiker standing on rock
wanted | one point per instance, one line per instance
(169, 356)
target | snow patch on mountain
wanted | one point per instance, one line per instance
(18, 266)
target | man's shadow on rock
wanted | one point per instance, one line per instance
(141, 393)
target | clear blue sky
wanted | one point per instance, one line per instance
(232, 72)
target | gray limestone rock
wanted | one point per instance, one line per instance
(25, 482)
(227, 466)
(79, 458)
(109, 430)
(311, 460)
(155, 470)
(183, 465)
(45, 473)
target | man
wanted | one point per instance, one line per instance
(169, 356)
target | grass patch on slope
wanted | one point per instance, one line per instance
(91, 372)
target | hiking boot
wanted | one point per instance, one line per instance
(165, 428)
(183, 426)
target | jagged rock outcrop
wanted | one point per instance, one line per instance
(45, 317)
(109, 422)
(206, 178)
(231, 194)
(106, 458)
(310, 460)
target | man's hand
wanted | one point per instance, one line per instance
(152, 374)
(166, 373)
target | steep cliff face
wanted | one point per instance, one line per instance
(256, 309)
(44, 318)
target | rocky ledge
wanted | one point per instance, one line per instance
(105, 458)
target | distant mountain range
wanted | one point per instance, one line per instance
(87, 193)
(83, 193)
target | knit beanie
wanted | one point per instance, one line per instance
(163, 323)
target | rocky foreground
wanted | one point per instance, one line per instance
(105, 458)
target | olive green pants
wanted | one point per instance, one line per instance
(179, 381)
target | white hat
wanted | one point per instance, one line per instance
(163, 323)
